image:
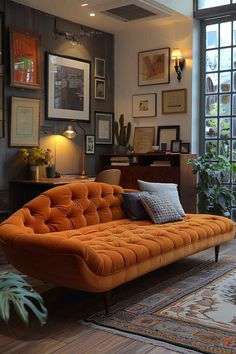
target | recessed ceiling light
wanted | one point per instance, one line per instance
(92, 14)
(84, 4)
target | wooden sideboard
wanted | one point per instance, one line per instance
(157, 167)
(22, 191)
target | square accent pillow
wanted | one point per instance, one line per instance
(133, 206)
(168, 191)
(160, 210)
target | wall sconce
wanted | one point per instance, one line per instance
(70, 132)
(179, 62)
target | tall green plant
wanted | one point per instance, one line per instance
(213, 196)
(14, 289)
(122, 132)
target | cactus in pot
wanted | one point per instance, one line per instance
(122, 134)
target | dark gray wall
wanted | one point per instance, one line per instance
(102, 46)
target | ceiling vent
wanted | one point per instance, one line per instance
(128, 10)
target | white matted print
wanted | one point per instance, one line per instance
(100, 68)
(89, 145)
(104, 128)
(144, 105)
(100, 89)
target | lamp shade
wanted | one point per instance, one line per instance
(176, 54)
(69, 131)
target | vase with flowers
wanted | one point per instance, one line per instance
(35, 158)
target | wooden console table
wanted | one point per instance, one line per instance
(22, 191)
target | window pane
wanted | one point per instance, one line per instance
(212, 60)
(225, 59)
(211, 105)
(212, 36)
(211, 83)
(234, 105)
(204, 4)
(211, 128)
(234, 81)
(225, 81)
(225, 34)
(234, 127)
(225, 103)
(234, 150)
(224, 148)
(225, 128)
(211, 147)
(234, 32)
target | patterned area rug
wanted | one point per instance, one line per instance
(195, 310)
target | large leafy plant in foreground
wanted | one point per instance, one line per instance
(14, 290)
(213, 196)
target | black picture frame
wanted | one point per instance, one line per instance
(89, 144)
(104, 123)
(100, 89)
(68, 79)
(175, 145)
(185, 148)
(166, 133)
(100, 68)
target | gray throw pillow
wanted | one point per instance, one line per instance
(133, 206)
(160, 210)
(163, 190)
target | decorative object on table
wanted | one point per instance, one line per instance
(143, 139)
(122, 134)
(26, 63)
(14, 290)
(89, 144)
(174, 101)
(68, 88)
(175, 145)
(166, 133)
(213, 196)
(100, 68)
(51, 171)
(70, 132)
(177, 56)
(25, 117)
(144, 105)
(154, 67)
(35, 158)
(187, 311)
(104, 128)
(163, 146)
(100, 89)
(185, 148)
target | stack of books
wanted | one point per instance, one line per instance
(119, 160)
(161, 163)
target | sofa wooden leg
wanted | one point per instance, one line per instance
(217, 249)
(107, 301)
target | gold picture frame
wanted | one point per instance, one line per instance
(143, 139)
(174, 101)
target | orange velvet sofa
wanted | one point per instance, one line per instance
(77, 236)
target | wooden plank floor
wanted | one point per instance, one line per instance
(65, 334)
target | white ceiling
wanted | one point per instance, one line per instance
(72, 10)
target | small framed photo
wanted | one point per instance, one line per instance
(25, 59)
(89, 145)
(175, 145)
(174, 101)
(25, 117)
(100, 68)
(104, 128)
(144, 105)
(100, 89)
(185, 148)
(143, 139)
(154, 67)
(167, 133)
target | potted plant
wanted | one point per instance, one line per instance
(16, 291)
(122, 134)
(213, 196)
(36, 157)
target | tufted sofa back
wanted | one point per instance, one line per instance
(70, 206)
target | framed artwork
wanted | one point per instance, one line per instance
(174, 101)
(100, 89)
(25, 59)
(100, 68)
(154, 67)
(143, 139)
(68, 88)
(144, 105)
(89, 145)
(166, 133)
(185, 148)
(175, 145)
(25, 117)
(104, 128)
